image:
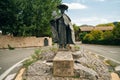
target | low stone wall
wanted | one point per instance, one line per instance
(24, 41)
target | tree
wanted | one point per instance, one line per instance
(77, 31)
(88, 38)
(116, 31)
(26, 17)
(7, 16)
(97, 34)
(108, 24)
(37, 13)
(11, 16)
(81, 35)
(108, 35)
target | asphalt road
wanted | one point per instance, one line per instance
(10, 57)
(110, 52)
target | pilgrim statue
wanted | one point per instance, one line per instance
(62, 29)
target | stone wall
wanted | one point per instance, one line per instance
(24, 41)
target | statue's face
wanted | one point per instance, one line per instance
(62, 11)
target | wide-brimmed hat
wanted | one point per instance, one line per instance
(62, 6)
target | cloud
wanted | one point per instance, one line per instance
(75, 6)
(90, 21)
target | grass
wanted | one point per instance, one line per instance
(54, 49)
(27, 63)
(35, 57)
(77, 48)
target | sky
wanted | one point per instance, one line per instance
(93, 12)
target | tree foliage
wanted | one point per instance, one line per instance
(108, 35)
(88, 38)
(7, 15)
(81, 36)
(116, 31)
(97, 34)
(77, 31)
(26, 17)
(105, 25)
(99, 37)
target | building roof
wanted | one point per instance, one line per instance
(86, 28)
(104, 28)
(96, 28)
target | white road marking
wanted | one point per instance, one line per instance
(19, 65)
(10, 77)
(2, 76)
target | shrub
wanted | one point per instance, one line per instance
(36, 56)
(116, 31)
(88, 38)
(81, 35)
(77, 48)
(27, 62)
(97, 34)
(108, 35)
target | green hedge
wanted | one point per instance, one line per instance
(104, 42)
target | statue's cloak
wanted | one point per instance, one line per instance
(62, 29)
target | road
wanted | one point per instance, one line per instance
(110, 52)
(10, 57)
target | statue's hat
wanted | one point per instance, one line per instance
(62, 6)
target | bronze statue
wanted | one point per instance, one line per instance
(62, 29)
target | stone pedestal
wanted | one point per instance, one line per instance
(63, 64)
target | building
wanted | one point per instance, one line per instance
(102, 28)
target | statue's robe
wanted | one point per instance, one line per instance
(62, 29)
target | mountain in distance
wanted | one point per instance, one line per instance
(85, 25)
(102, 25)
(113, 24)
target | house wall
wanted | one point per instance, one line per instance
(21, 42)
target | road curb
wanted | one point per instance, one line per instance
(101, 56)
(106, 58)
(2, 76)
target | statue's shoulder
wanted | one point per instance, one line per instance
(66, 16)
(57, 17)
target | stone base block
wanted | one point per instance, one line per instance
(63, 64)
